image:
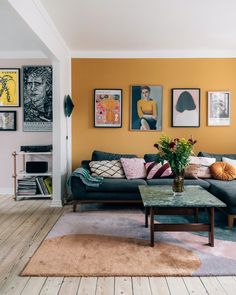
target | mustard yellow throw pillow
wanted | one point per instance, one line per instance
(223, 171)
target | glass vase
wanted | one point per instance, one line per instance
(178, 183)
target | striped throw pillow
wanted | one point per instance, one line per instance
(157, 170)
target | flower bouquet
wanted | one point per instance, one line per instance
(176, 152)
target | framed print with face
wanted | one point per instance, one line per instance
(218, 108)
(108, 108)
(9, 87)
(186, 107)
(37, 98)
(146, 108)
(7, 120)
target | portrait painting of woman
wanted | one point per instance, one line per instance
(146, 108)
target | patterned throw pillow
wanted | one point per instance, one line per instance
(229, 161)
(191, 171)
(109, 169)
(134, 168)
(157, 170)
(205, 163)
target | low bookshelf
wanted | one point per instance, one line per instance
(31, 185)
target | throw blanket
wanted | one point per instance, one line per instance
(85, 177)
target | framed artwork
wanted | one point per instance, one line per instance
(108, 108)
(9, 87)
(37, 98)
(218, 108)
(7, 120)
(185, 107)
(146, 108)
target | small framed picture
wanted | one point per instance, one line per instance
(218, 108)
(108, 108)
(9, 87)
(7, 120)
(146, 108)
(185, 107)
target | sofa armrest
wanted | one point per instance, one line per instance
(78, 188)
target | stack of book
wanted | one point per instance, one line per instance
(27, 186)
(44, 185)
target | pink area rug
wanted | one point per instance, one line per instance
(116, 243)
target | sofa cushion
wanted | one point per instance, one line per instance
(169, 181)
(224, 190)
(134, 168)
(229, 161)
(191, 171)
(157, 170)
(217, 156)
(223, 171)
(101, 156)
(118, 185)
(110, 169)
(204, 162)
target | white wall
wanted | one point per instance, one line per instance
(12, 140)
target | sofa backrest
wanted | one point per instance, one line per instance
(217, 156)
(150, 157)
(102, 156)
(85, 164)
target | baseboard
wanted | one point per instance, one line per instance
(6, 191)
(56, 203)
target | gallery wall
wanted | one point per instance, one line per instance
(206, 74)
(12, 140)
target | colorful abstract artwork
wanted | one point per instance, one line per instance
(108, 108)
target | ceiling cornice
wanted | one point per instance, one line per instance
(24, 54)
(155, 54)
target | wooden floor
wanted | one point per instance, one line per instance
(23, 226)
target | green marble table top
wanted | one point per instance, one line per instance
(163, 196)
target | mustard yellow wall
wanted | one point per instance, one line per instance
(206, 74)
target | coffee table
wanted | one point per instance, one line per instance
(160, 200)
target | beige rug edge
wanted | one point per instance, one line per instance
(98, 255)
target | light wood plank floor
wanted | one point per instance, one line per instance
(23, 226)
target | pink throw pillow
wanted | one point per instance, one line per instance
(205, 163)
(133, 167)
(157, 170)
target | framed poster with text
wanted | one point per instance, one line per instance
(37, 98)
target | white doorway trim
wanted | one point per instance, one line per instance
(37, 18)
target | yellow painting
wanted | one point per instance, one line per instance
(9, 87)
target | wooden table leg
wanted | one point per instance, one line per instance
(152, 226)
(212, 220)
(196, 215)
(146, 216)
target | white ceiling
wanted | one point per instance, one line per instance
(16, 39)
(172, 27)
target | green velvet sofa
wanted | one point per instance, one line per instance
(126, 190)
